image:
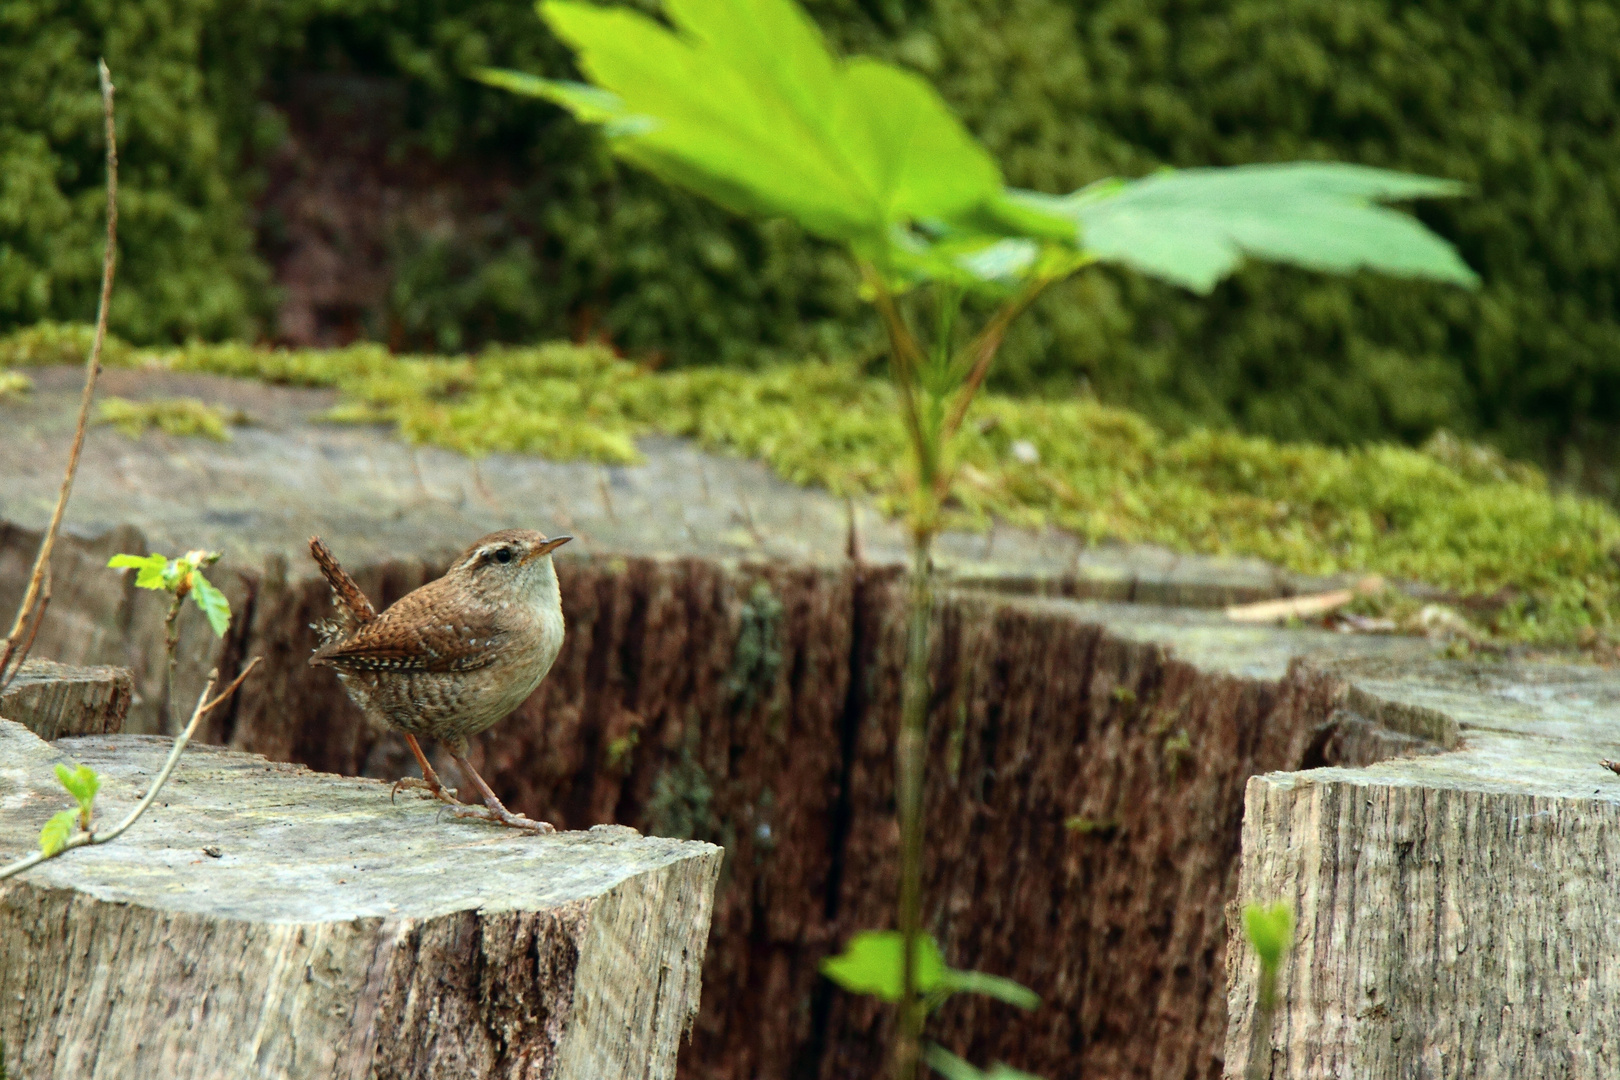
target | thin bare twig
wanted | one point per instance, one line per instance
(92, 368)
(1303, 607)
(205, 704)
(21, 655)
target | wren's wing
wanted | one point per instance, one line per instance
(422, 632)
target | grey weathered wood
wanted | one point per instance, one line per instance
(56, 700)
(1455, 912)
(264, 920)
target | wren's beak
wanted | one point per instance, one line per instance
(547, 548)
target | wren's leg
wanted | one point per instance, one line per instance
(492, 810)
(430, 779)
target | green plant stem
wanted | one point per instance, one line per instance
(910, 764)
(904, 355)
(171, 642)
(1265, 1012)
(929, 432)
(911, 743)
(984, 346)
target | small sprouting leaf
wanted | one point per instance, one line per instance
(151, 569)
(82, 783)
(1270, 929)
(871, 964)
(996, 986)
(952, 1067)
(54, 836)
(212, 602)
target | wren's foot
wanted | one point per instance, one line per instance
(492, 810)
(500, 815)
(433, 787)
(430, 779)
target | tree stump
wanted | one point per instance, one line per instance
(55, 700)
(265, 920)
(1453, 912)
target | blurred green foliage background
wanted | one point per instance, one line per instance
(491, 218)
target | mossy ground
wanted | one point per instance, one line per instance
(176, 416)
(1542, 566)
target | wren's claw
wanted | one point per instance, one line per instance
(436, 789)
(505, 817)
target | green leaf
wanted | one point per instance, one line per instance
(212, 601)
(151, 569)
(57, 831)
(871, 964)
(1270, 929)
(744, 104)
(82, 783)
(1195, 226)
(952, 1067)
(996, 986)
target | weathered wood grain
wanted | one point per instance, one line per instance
(264, 920)
(1455, 912)
(55, 700)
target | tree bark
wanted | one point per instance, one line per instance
(264, 920)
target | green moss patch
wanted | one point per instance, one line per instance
(173, 416)
(1541, 566)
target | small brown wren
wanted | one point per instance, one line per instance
(454, 656)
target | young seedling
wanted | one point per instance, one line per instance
(180, 578)
(82, 783)
(71, 829)
(742, 102)
(1270, 929)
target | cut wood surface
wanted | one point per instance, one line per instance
(56, 700)
(1456, 911)
(265, 920)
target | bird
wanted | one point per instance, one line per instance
(453, 657)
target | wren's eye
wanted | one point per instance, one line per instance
(503, 555)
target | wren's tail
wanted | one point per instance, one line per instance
(345, 593)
